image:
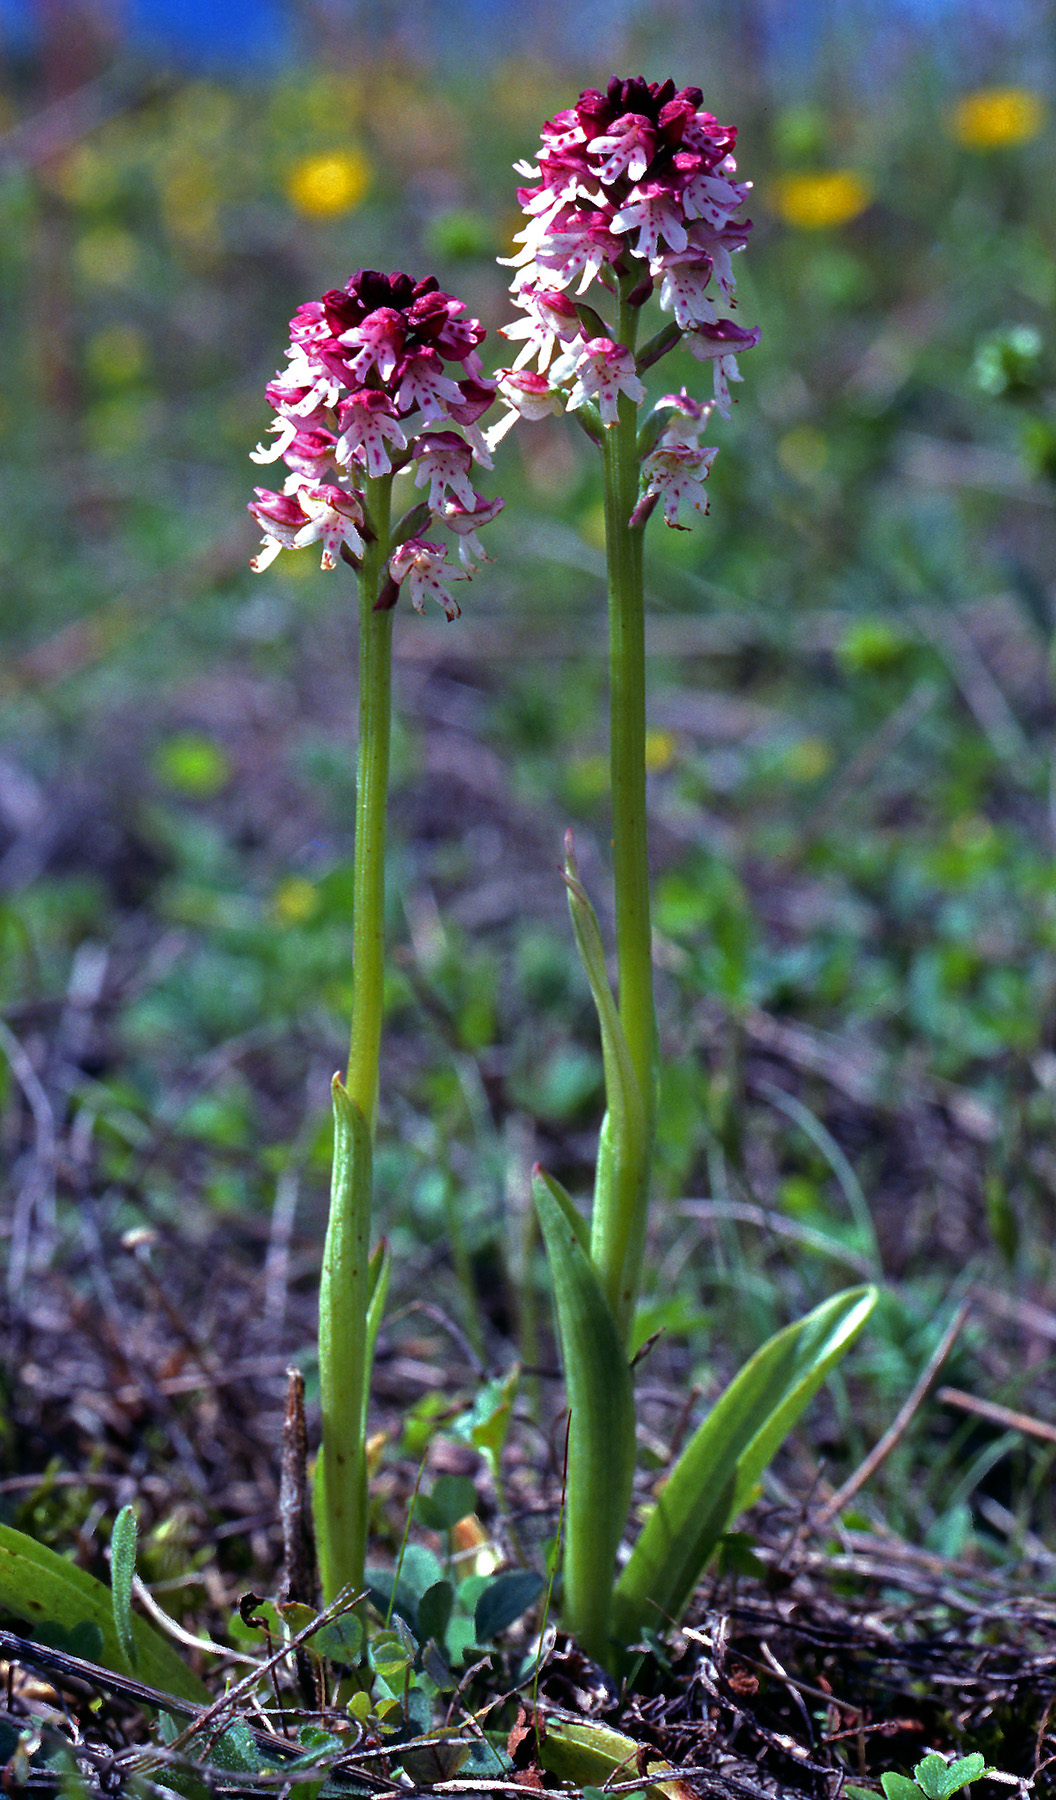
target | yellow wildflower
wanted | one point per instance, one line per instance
(294, 901)
(818, 199)
(992, 118)
(322, 187)
(660, 750)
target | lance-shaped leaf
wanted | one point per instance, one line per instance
(621, 1085)
(601, 1422)
(717, 1471)
(41, 1587)
(122, 1574)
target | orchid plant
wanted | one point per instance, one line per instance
(381, 377)
(634, 194)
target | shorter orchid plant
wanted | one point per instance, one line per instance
(383, 376)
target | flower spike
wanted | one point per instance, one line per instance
(380, 373)
(633, 191)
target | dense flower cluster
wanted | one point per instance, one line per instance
(633, 189)
(380, 376)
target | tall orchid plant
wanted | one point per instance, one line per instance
(633, 195)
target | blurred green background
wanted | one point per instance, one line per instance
(852, 703)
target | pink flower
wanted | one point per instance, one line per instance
(551, 317)
(465, 523)
(629, 148)
(683, 290)
(528, 396)
(696, 412)
(423, 384)
(718, 344)
(291, 521)
(365, 420)
(654, 212)
(633, 189)
(444, 461)
(365, 363)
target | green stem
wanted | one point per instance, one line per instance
(341, 1502)
(622, 1194)
(372, 787)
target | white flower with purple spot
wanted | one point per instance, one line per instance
(424, 569)
(444, 461)
(368, 426)
(675, 472)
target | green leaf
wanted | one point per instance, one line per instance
(570, 1212)
(899, 1787)
(718, 1470)
(392, 1651)
(37, 1584)
(622, 1096)
(504, 1599)
(122, 1569)
(452, 1498)
(601, 1441)
(589, 1753)
(234, 1749)
(398, 1594)
(435, 1758)
(340, 1640)
(434, 1612)
(487, 1421)
(938, 1779)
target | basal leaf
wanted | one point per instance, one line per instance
(718, 1470)
(503, 1600)
(37, 1584)
(899, 1787)
(452, 1498)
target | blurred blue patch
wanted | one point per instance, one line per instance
(199, 34)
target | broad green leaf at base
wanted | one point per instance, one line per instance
(42, 1588)
(718, 1470)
